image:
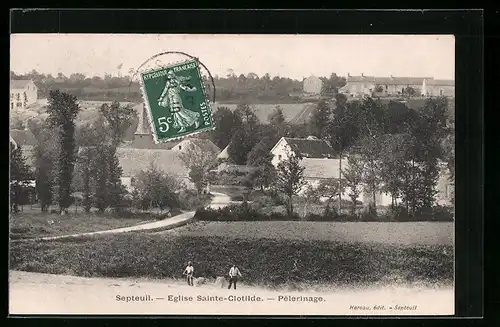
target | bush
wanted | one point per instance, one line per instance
(370, 214)
(191, 200)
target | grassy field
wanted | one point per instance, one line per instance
(267, 262)
(31, 224)
(407, 233)
(262, 111)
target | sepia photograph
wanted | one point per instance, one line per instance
(231, 174)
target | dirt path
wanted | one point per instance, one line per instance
(33, 293)
(219, 200)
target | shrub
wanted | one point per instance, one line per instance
(191, 200)
(370, 213)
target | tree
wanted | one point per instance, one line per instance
(290, 179)
(199, 162)
(19, 175)
(370, 148)
(119, 119)
(247, 115)
(45, 154)
(311, 195)
(332, 84)
(342, 131)
(409, 91)
(276, 117)
(353, 179)
(63, 109)
(320, 119)
(394, 157)
(226, 124)
(260, 157)
(155, 189)
(241, 144)
(330, 189)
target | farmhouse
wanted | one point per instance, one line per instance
(321, 163)
(393, 86)
(224, 154)
(312, 85)
(23, 93)
(133, 161)
(310, 147)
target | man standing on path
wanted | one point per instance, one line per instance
(189, 271)
(234, 273)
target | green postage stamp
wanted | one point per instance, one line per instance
(176, 101)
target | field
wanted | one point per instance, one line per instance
(36, 224)
(262, 111)
(423, 233)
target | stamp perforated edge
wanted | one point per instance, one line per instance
(149, 112)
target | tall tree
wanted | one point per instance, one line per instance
(119, 119)
(19, 175)
(370, 148)
(63, 110)
(248, 117)
(353, 179)
(343, 131)
(260, 157)
(320, 119)
(45, 155)
(241, 144)
(199, 164)
(226, 124)
(290, 179)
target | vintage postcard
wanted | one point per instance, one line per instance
(232, 174)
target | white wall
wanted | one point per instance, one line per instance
(280, 152)
(312, 85)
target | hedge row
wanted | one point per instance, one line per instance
(246, 212)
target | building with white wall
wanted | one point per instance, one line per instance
(23, 93)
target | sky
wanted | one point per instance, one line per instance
(293, 56)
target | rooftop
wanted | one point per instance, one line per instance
(203, 144)
(310, 148)
(23, 137)
(133, 161)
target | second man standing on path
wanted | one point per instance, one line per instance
(234, 273)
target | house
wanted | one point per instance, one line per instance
(307, 147)
(23, 93)
(312, 85)
(25, 139)
(224, 154)
(133, 161)
(320, 164)
(393, 86)
(199, 145)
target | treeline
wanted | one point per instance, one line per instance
(390, 149)
(229, 89)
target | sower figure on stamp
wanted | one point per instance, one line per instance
(234, 274)
(189, 271)
(171, 98)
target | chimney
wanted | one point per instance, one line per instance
(362, 75)
(348, 75)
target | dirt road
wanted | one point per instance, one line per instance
(33, 293)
